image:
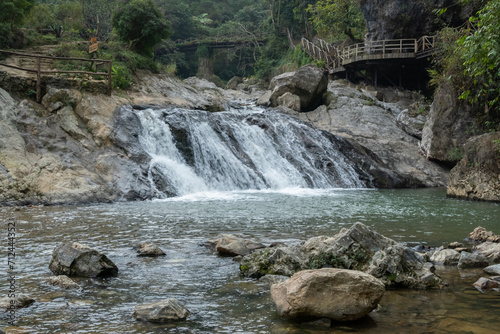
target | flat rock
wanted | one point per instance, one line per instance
(149, 249)
(485, 284)
(168, 310)
(493, 270)
(445, 256)
(63, 281)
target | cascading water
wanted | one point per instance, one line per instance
(195, 151)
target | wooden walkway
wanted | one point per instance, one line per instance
(336, 58)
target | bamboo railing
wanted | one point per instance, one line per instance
(39, 71)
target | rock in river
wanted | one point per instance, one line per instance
(148, 249)
(75, 259)
(337, 294)
(163, 311)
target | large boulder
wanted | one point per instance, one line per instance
(357, 248)
(445, 256)
(337, 294)
(168, 310)
(491, 250)
(481, 234)
(472, 260)
(74, 259)
(308, 83)
(477, 175)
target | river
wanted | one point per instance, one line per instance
(219, 299)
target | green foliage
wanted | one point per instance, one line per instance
(120, 76)
(141, 24)
(338, 19)
(480, 53)
(455, 154)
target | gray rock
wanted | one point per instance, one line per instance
(63, 281)
(357, 248)
(280, 260)
(289, 100)
(75, 259)
(481, 234)
(308, 83)
(168, 310)
(265, 99)
(485, 284)
(472, 260)
(148, 249)
(20, 301)
(337, 294)
(491, 250)
(411, 125)
(493, 270)
(455, 245)
(234, 246)
(234, 82)
(445, 256)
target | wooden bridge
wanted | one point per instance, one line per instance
(336, 58)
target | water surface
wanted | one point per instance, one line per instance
(220, 300)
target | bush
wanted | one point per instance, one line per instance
(141, 24)
(120, 76)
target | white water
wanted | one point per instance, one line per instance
(239, 150)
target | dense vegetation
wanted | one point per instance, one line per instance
(471, 62)
(135, 32)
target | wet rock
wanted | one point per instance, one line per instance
(308, 83)
(234, 246)
(472, 260)
(63, 281)
(265, 99)
(493, 270)
(357, 248)
(491, 250)
(20, 301)
(485, 284)
(455, 245)
(445, 256)
(337, 294)
(168, 310)
(148, 249)
(279, 260)
(75, 259)
(481, 234)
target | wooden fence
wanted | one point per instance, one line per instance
(39, 71)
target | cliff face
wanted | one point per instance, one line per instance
(394, 19)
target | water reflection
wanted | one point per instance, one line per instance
(219, 299)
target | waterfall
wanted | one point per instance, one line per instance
(193, 151)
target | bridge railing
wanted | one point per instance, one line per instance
(380, 47)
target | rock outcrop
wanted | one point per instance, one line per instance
(357, 115)
(477, 175)
(357, 248)
(337, 294)
(307, 83)
(75, 259)
(447, 127)
(396, 19)
(168, 310)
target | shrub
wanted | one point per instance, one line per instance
(120, 76)
(141, 24)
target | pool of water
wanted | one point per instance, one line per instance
(219, 299)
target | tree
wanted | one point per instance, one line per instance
(141, 24)
(480, 52)
(338, 18)
(11, 13)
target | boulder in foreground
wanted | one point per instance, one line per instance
(168, 310)
(75, 259)
(337, 294)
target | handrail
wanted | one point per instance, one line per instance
(39, 71)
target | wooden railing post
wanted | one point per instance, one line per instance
(109, 77)
(38, 79)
